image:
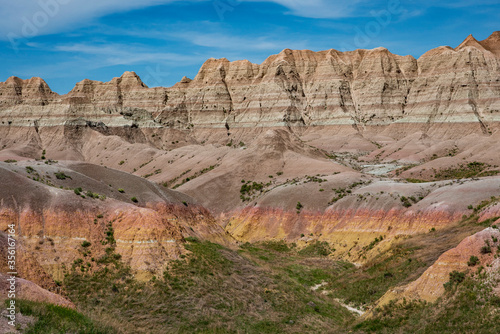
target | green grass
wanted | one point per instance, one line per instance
(56, 319)
(214, 290)
(317, 248)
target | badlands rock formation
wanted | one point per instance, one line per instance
(342, 147)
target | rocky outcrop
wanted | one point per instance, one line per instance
(30, 92)
(430, 286)
(28, 290)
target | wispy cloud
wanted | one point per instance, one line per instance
(318, 8)
(327, 9)
(29, 18)
(104, 55)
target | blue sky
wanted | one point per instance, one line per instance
(66, 41)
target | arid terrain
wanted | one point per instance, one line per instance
(316, 192)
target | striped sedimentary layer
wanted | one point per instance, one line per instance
(350, 232)
(360, 88)
(145, 237)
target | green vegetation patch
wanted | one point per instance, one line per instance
(52, 319)
(462, 171)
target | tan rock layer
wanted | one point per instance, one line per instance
(349, 231)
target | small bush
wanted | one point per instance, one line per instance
(299, 207)
(86, 244)
(277, 246)
(62, 176)
(473, 261)
(78, 191)
(405, 201)
(121, 190)
(121, 162)
(134, 199)
(456, 278)
(486, 249)
(90, 194)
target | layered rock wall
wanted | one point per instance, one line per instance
(293, 88)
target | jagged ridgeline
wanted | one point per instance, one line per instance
(292, 88)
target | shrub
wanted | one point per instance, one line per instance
(457, 277)
(78, 191)
(90, 194)
(405, 201)
(86, 244)
(473, 261)
(299, 207)
(121, 162)
(486, 249)
(62, 176)
(10, 161)
(120, 190)
(277, 246)
(251, 187)
(134, 199)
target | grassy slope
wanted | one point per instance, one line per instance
(52, 319)
(266, 288)
(213, 290)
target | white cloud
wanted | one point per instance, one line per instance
(318, 8)
(239, 43)
(29, 18)
(360, 8)
(103, 55)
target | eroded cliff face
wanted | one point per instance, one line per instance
(292, 88)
